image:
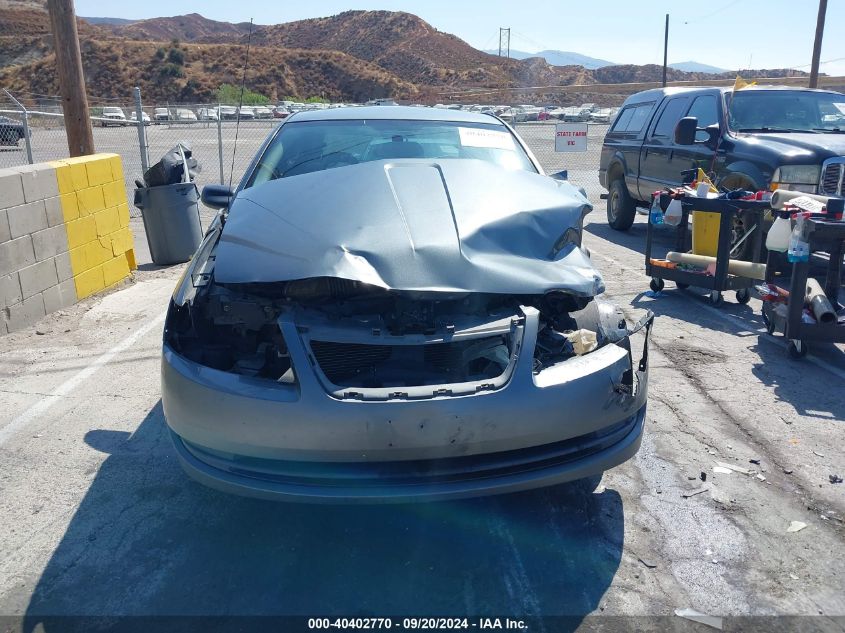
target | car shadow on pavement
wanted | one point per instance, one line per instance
(685, 305)
(807, 387)
(146, 540)
(635, 237)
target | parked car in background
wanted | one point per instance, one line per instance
(161, 115)
(184, 115)
(262, 112)
(11, 131)
(508, 115)
(208, 114)
(601, 115)
(529, 113)
(579, 113)
(761, 137)
(133, 117)
(423, 358)
(228, 113)
(112, 116)
(280, 112)
(245, 113)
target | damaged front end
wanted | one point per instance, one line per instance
(364, 342)
(337, 387)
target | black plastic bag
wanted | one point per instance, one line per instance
(170, 169)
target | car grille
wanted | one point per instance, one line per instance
(356, 364)
(832, 177)
(338, 360)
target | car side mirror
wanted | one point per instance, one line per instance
(685, 131)
(560, 175)
(217, 196)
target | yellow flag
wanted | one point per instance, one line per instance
(740, 83)
(702, 177)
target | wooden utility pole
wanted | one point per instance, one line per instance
(665, 48)
(817, 45)
(80, 139)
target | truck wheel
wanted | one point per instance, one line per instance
(621, 209)
(742, 221)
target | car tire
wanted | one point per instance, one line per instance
(741, 181)
(621, 208)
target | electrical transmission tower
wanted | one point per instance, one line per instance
(505, 42)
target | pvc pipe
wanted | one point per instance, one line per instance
(736, 267)
(782, 196)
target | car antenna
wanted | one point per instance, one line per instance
(240, 106)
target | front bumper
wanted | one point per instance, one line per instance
(439, 480)
(298, 442)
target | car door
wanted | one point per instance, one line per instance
(625, 137)
(705, 108)
(659, 166)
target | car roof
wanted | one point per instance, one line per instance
(406, 113)
(657, 93)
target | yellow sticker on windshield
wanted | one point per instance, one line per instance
(477, 137)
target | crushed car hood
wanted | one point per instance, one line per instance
(429, 226)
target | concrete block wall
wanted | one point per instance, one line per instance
(64, 235)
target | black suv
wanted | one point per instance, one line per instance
(761, 137)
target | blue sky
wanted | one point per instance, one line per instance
(725, 33)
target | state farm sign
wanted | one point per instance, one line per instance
(571, 137)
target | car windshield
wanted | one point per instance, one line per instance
(786, 111)
(309, 146)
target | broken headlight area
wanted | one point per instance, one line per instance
(359, 336)
(572, 326)
(230, 331)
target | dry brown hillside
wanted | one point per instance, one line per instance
(111, 71)
(191, 28)
(400, 43)
(355, 55)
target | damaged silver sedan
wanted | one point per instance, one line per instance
(395, 305)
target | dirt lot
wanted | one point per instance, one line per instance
(97, 519)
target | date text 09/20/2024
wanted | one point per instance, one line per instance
(417, 623)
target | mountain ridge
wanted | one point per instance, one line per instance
(354, 55)
(559, 58)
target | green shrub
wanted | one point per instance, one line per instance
(227, 93)
(176, 56)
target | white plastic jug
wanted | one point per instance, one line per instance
(778, 237)
(673, 214)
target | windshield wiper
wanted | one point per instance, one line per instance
(773, 129)
(835, 130)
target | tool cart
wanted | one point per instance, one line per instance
(799, 328)
(724, 275)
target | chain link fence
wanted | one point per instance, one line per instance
(39, 121)
(32, 130)
(582, 167)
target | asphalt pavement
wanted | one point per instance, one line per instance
(97, 519)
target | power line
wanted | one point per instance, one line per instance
(698, 18)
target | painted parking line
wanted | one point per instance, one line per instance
(68, 386)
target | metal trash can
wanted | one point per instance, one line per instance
(171, 221)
